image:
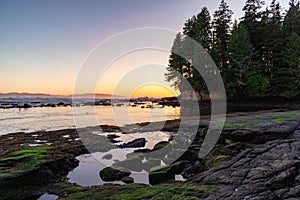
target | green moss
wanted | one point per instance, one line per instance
(135, 191)
(23, 160)
(185, 192)
(297, 142)
(230, 144)
(160, 169)
(276, 118)
(219, 157)
(235, 125)
(114, 173)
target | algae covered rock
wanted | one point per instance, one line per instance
(133, 163)
(114, 173)
(161, 174)
(152, 162)
(127, 179)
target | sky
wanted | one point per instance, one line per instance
(43, 44)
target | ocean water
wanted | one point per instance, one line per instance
(48, 118)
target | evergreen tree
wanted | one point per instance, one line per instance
(176, 62)
(291, 22)
(239, 54)
(292, 52)
(251, 10)
(199, 29)
(202, 29)
(252, 16)
(271, 51)
(286, 81)
(221, 32)
(260, 57)
(251, 20)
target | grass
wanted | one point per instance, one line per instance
(23, 160)
(136, 192)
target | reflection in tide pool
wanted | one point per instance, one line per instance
(87, 173)
(45, 118)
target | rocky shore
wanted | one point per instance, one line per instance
(256, 157)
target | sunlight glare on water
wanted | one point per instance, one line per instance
(45, 118)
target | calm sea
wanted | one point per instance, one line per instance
(46, 118)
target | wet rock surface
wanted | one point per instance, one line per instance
(114, 173)
(137, 143)
(267, 171)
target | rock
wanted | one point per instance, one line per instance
(150, 163)
(142, 151)
(137, 143)
(192, 169)
(127, 179)
(190, 155)
(133, 163)
(112, 138)
(267, 171)
(114, 173)
(178, 167)
(61, 104)
(26, 105)
(296, 134)
(160, 145)
(160, 174)
(110, 129)
(107, 156)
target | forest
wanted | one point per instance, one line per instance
(257, 55)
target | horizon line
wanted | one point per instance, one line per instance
(79, 94)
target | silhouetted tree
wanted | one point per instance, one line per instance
(221, 33)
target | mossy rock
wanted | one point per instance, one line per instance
(132, 191)
(24, 170)
(161, 174)
(127, 179)
(24, 160)
(114, 173)
(217, 160)
(133, 163)
(150, 163)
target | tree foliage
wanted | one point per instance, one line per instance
(221, 33)
(259, 56)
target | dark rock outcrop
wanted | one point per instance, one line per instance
(137, 143)
(161, 174)
(114, 173)
(267, 171)
(128, 179)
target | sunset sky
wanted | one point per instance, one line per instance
(44, 43)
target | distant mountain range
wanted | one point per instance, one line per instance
(40, 95)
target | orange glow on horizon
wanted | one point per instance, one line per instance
(157, 91)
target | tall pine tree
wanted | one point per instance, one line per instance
(291, 23)
(221, 33)
(176, 62)
(287, 82)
